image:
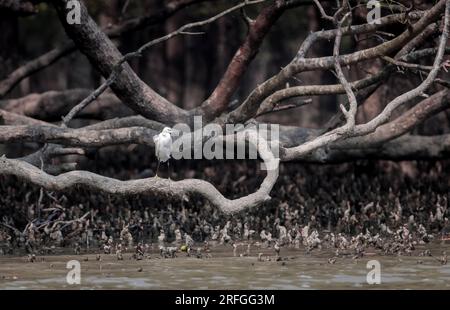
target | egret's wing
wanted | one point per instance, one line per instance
(155, 138)
(156, 141)
(165, 148)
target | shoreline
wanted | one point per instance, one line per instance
(296, 270)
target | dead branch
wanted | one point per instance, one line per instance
(158, 186)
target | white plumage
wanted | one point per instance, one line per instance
(163, 146)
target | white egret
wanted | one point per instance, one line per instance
(163, 147)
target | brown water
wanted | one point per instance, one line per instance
(299, 271)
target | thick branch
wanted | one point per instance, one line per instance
(52, 105)
(155, 185)
(77, 137)
(407, 147)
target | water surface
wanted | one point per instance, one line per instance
(298, 271)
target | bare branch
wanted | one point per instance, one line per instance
(351, 112)
(271, 107)
(314, 90)
(406, 64)
(92, 96)
(407, 147)
(157, 186)
(322, 12)
(130, 121)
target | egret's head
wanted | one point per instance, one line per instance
(167, 130)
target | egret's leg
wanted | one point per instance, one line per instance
(157, 168)
(168, 168)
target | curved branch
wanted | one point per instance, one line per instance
(385, 143)
(158, 186)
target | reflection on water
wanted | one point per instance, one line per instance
(298, 271)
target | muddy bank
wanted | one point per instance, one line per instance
(348, 207)
(296, 270)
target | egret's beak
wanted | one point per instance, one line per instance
(174, 132)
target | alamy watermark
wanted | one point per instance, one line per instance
(74, 13)
(74, 275)
(374, 275)
(231, 141)
(374, 12)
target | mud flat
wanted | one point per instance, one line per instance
(297, 270)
